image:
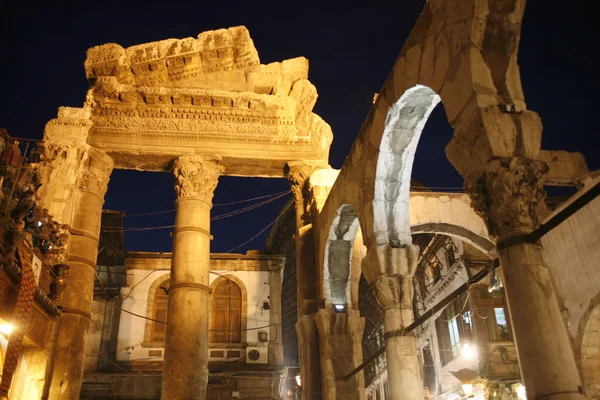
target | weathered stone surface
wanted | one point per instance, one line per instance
(507, 195)
(173, 61)
(185, 373)
(153, 102)
(197, 177)
(565, 168)
(340, 336)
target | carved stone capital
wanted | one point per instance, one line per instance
(394, 291)
(506, 193)
(97, 167)
(297, 175)
(390, 261)
(197, 176)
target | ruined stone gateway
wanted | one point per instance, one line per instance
(205, 107)
(199, 107)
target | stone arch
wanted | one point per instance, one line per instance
(341, 270)
(150, 311)
(449, 214)
(229, 277)
(589, 349)
(403, 126)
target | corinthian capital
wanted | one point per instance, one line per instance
(197, 176)
(506, 193)
(95, 173)
(298, 174)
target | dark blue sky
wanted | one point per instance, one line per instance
(351, 49)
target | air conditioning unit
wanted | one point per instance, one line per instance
(257, 355)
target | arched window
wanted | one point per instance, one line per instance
(161, 301)
(226, 313)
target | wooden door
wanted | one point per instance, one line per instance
(227, 313)
(161, 302)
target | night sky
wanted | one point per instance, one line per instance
(351, 50)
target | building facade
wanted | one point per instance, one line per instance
(245, 349)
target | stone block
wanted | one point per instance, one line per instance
(460, 212)
(566, 168)
(388, 260)
(428, 65)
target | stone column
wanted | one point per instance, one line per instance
(185, 372)
(308, 352)
(306, 276)
(340, 338)
(506, 193)
(276, 344)
(76, 300)
(394, 292)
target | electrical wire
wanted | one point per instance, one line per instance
(215, 218)
(261, 231)
(214, 205)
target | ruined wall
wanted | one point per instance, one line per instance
(572, 251)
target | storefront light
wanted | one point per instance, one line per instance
(298, 380)
(6, 328)
(467, 389)
(519, 389)
(468, 350)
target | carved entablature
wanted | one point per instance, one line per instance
(195, 112)
(170, 61)
(154, 102)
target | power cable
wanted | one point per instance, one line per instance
(261, 231)
(214, 205)
(215, 218)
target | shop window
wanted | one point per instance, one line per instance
(453, 326)
(495, 314)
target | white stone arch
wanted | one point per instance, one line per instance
(475, 75)
(341, 269)
(402, 130)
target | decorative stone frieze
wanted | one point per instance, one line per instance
(197, 176)
(152, 102)
(507, 193)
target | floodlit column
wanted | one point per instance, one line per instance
(506, 193)
(340, 338)
(394, 292)
(185, 372)
(308, 346)
(308, 352)
(76, 300)
(276, 340)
